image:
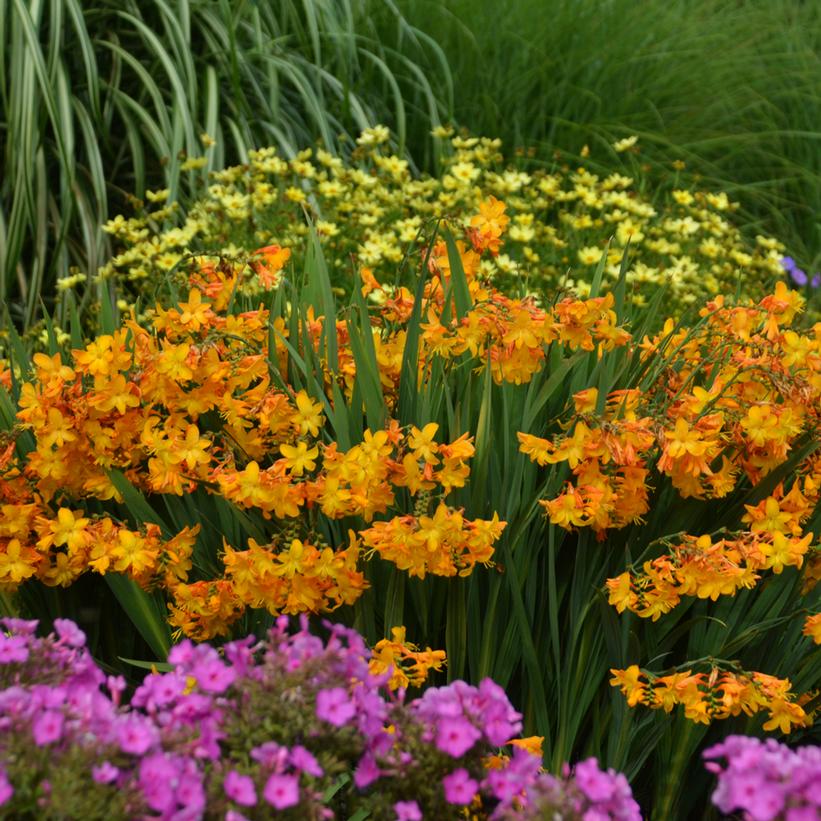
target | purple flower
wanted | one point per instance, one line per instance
(104, 773)
(282, 791)
(595, 784)
(790, 266)
(240, 788)
(407, 811)
(6, 790)
(69, 633)
(334, 706)
(455, 736)
(815, 282)
(303, 760)
(47, 728)
(798, 276)
(366, 772)
(13, 649)
(459, 787)
(136, 735)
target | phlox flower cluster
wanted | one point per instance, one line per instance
(585, 792)
(766, 781)
(266, 729)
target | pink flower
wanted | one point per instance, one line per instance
(116, 686)
(459, 787)
(190, 792)
(104, 773)
(69, 633)
(455, 736)
(6, 790)
(47, 728)
(303, 760)
(366, 772)
(20, 627)
(334, 706)
(407, 811)
(282, 791)
(271, 755)
(240, 788)
(13, 649)
(157, 774)
(595, 784)
(798, 814)
(136, 736)
(213, 676)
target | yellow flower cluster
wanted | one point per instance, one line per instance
(408, 665)
(607, 461)
(719, 694)
(57, 547)
(138, 402)
(192, 397)
(443, 544)
(731, 399)
(188, 401)
(721, 406)
(699, 566)
(371, 208)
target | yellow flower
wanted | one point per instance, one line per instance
(299, 458)
(624, 144)
(308, 416)
(590, 255)
(630, 683)
(812, 627)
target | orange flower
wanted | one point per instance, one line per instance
(268, 262)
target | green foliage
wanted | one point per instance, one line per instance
(100, 101)
(732, 89)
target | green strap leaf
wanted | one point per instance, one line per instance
(146, 611)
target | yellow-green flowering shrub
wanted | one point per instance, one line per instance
(369, 209)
